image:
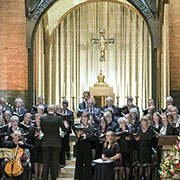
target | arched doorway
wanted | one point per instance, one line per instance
(40, 10)
(67, 63)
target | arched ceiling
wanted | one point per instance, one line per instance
(60, 8)
(56, 9)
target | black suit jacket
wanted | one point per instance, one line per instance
(115, 114)
(72, 114)
(50, 125)
(71, 121)
(95, 115)
(22, 111)
(113, 107)
(112, 126)
(170, 130)
(81, 107)
(8, 108)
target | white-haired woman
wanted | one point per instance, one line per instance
(14, 121)
(110, 124)
(19, 109)
(7, 116)
(17, 141)
(134, 120)
(125, 141)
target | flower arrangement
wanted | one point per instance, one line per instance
(170, 166)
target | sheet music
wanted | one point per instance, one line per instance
(100, 161)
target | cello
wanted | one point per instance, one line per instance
(14, 167)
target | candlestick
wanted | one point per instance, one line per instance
(117, 97)
(72, 89)
(117, 89)
(73, 98)
(64, 90)
(136, 97)
(136, 88)
(127, 89)
(82, 91)
(82, 88)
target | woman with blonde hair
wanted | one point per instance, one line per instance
(111, 126)
(125, 141)
(145, 140)
(84, 150)
(25, 124)
(110, 154)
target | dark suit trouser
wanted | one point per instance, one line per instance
(50, 160)
(62, 159)
(66, 144)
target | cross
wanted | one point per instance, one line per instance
(102, 41)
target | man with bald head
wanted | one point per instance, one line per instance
(19, 109)
(93, 111)
(110, 105)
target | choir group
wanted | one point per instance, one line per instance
(107, 137)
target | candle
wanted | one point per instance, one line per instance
(82, 88)
(127, 88)
(136, 88)
(72, 89)
(64, 89)
(117, 89)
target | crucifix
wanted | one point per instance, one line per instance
(102, 40)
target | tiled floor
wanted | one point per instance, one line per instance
(67, 173)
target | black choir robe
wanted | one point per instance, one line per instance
(84, 156)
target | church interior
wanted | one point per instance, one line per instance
(123, 49)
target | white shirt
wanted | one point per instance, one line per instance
(157, 126)
(163, 131)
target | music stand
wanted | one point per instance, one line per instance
(5, 153)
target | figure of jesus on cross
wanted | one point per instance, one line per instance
(102, 41)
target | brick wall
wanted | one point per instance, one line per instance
(174, 51)
(13, 53)
(174, 38)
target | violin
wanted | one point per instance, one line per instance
(14, 167)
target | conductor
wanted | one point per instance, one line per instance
(51, 142)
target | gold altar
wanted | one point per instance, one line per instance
(100, 91)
